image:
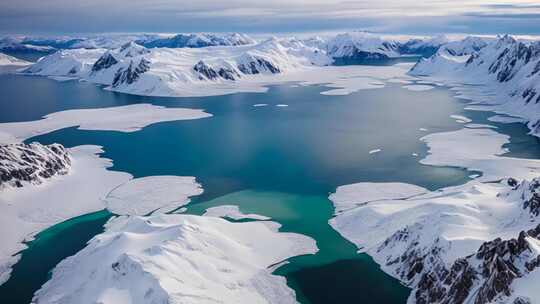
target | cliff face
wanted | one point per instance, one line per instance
(22, 164)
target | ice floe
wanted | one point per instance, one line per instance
(478, 150)
(152, 194)
(419, 87)
(128, 118)
(233, 212)
(461, 118)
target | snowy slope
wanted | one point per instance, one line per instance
(505, 73)
(422, 240)
(177, 259)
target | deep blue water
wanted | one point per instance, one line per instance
(280, 162)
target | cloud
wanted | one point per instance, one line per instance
(64, 16)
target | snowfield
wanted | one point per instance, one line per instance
(128, 118)
(177, 259)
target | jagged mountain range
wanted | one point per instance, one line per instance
(158, 70)
(506, 67)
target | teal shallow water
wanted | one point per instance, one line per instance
(279, 162)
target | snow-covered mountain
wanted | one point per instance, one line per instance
(425, 47)
(466, 244)
(197, 40)
(177, 259)
(6, 60)
(359, 46)
(13, 46)
(22, 164)
(506, 73)
(135, 69)
(366, 46)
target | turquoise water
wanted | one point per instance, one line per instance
(279, 162)
(48, 249)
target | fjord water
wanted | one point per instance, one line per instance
(281, 162)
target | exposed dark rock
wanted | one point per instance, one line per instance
(31, 163)
(131, 74)
(512, 182)
(257, 65)
(531, 196)
(104, 62)
(205, 70)
(490, 272)
(521, 300)
(228, 74)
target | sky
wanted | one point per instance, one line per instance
(267, 16)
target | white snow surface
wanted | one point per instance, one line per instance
(479, 150)
(233, 212)
(354, 195)
(128, 118)
(28, 210)
(177, 259)
(152, 194)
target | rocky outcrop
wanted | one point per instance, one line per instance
(22, 164)
(423, 257)
(131, 73)
(489, 273)
(529, 193)
(104, 62)
(255, 65)
(207, 72)
(512, 56)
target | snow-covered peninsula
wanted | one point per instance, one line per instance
(178, 259)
